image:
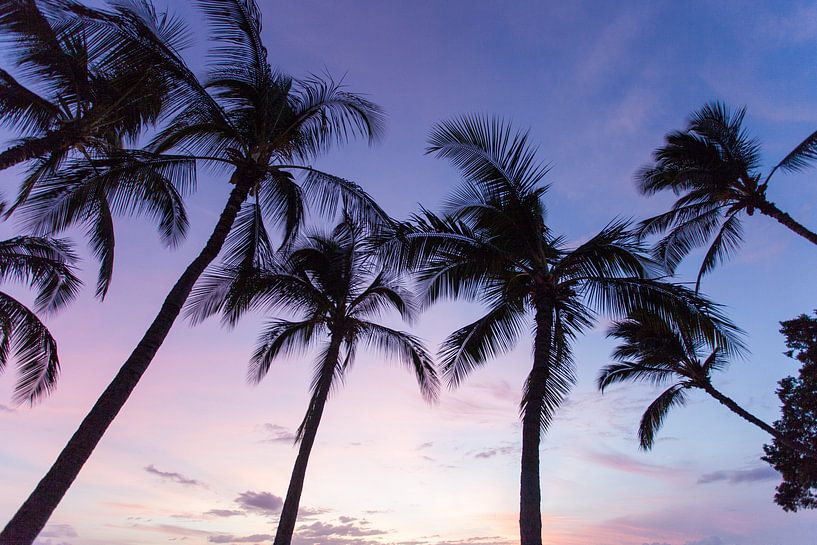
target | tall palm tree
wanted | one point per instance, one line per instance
(46, 265)
(713, 166)
(664, 352)
(494, 246)
(335, 287)
(260, 125)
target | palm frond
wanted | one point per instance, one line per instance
(383, 293)
(22, 109)
(627, 371)
(280, 338)
(235, 26)
(549, 382)
(655, 414)
(45, 264)
(489, 155)
(326, 114)
(406, 348)
(799, 158)
(613, 252)
(471, 346)
(282, 200)
(723, 246)
(35, 350)
(331, 193)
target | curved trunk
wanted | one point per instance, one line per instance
(32, 516)
(730, 404)
(289, 513)
(530, 494)
(770, 209)
(36, 147)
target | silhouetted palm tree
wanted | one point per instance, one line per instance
(335, 288)
(494, 246)
(660, 352)
(47, 266)
(713, 166)
(258, 123)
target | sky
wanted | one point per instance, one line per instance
(198, 455)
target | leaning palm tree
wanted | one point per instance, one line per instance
(663, 352)
(47, 266)
(263, 127)
(713, 166)
(494, 246)
(335, 287)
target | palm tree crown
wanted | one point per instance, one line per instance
(713, 166)
(682, 354)
(81, 99)
(493, 245)
(336, 289)
(47, 266)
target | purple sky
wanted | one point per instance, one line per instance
(200, 456)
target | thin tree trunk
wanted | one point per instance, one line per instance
(32, 516)
(36, 147)
(770, 209)
(730, 404)
(289, 513)
(530, 496)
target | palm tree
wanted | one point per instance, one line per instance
(336, 289)
(713, 166)
(261, 125)
(46, 265)
(662, 351)
(493, 246)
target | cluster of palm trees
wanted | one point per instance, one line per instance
(92, 84)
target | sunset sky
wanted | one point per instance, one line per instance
(199, 456)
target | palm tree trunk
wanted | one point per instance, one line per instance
(530, 496)
(730, 404)
(289, 513)
(36, 147)
(770, 209)
(32, 516)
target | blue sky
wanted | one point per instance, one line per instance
(598, 84)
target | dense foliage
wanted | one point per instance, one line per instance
(798, 422)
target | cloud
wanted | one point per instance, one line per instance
(491, 452)
(627, 464)
(762, 473)
(228, 538)
(260, 502)
(426, 445)
(173, 476)
(318, 530)
(224, 513)
(278, 434)
(58, 530)
(6, 409)
(711, 540)
(483, 540)
(312, 511)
